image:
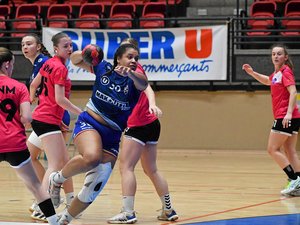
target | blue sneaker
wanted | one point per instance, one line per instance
(123, 218)
(168, 215)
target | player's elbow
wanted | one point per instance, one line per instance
(26, 118)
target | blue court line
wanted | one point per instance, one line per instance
(287, 219)
(224, 211)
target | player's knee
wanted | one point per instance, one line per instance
(94, 182)
(149, 169)
(91, 161)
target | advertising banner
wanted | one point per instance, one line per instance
(167, 54)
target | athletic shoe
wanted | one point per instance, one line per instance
(38, 215)
(34, 207)
(63, 219)
(296, 193)
(168, 215)
(54, 190)
(65, 209)
(123, 218)
(293, 186)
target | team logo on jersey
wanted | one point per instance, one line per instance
(40, 60)
(126, 89)
(277, 78)
(105, 80)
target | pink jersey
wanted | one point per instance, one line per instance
(280, 95)
(12, 131)
(53, 72)
(140, 115)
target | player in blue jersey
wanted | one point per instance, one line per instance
(34, 50)
(98, 130)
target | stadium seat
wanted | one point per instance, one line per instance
(292, 9)
(153, 10)
(58, 14)
(107, 2)
(16, 3)
(90, 11)
(76, 3)
(29, 13)
(4, 14)
(170, 2)
(45, 3)
(262, 9)
(124, 11)
(138, 2)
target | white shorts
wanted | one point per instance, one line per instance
(35, 140)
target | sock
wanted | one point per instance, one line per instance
(290, 172)
(166, 202)
(69, 197)
(128, 204)
(59, 178)
(49, 211)
(52, 220)
(47, 207)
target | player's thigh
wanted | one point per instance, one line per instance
(148, 158)
(130, 153)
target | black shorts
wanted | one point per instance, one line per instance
(148, 134)
(16, 159)
(292, 129)
(43, 129)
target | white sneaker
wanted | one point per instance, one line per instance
(293, 186)
(63, 219)
(38, 215)
(54, 190)
(65, 209)
(34, 207)
(123, 218)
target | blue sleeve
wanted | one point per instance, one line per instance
(102, 68)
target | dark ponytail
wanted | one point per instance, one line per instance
(43, 50)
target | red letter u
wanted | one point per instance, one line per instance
(191, 43)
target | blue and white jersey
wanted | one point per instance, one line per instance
(38, 62)
(114, 96)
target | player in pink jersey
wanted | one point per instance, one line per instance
(140, 142)
(15, 112)
(34, 50)
(53, 100)
(287, 118)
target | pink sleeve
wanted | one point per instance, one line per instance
(60, 75)
(288, 78)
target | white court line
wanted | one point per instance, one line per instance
(18, 223)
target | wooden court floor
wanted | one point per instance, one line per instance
(204, 185)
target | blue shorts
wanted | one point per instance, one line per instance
(65, 123)
(110, 137)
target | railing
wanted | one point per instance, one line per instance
(241, 47)
(255, 49)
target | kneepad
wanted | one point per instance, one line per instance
(94, 182)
